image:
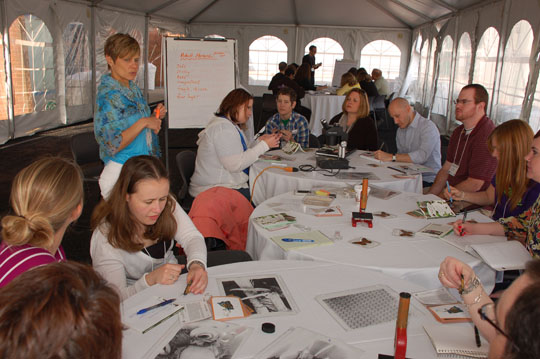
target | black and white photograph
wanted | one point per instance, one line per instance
(263, 295)
(208, 339)
(300, 343)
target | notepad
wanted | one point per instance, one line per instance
(459, 341)
(501, 256)
(317, 237)
(436, 230)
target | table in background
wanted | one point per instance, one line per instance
(275, 181)
(414, 259)
(323, 107)
(304, 281)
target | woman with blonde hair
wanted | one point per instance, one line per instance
(132, 244)
(348, 82)
(45, 198)
(511, 191)
(356, 122)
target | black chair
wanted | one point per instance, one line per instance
(85, 151)
(185, 161)
(379, 108)
(313, 141)
(269, 108)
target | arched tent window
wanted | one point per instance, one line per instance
(383, 55)
(265, 54)
(328, 51)
(463, 65)
(77, 65)
(440, 103)
(515, 72)
(422, 71)
(411, 80)
(486, 59)
(32, 65)
(430, 71)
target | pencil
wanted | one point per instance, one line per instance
(188, 287)
(382, 145)
(462, 286)
(462, 231)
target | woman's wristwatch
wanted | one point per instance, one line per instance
(394, 157)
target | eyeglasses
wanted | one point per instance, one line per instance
(463, 102)
(487, 313)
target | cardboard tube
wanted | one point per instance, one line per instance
(363, 198)
(400, 342)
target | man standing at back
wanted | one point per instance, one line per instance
(291, 125)
(310, 59)
(417, 139)
(469, 165)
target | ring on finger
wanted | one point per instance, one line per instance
(441, 274)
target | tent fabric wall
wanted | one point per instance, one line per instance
(502, 15)
(298, 37)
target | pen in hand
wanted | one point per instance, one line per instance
(188, 288)
(164, 303)
(157, 113)
(297, 240)
(449, 193)
(462, 230)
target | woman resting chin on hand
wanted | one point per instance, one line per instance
(132, 244)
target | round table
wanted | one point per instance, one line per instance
(416, 259)
(323, 107)
(276, 181)
(304, 281)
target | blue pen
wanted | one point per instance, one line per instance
(164, 303)
(448, 189)
(297, 240)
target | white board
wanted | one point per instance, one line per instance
(199, 75)
(340, 67)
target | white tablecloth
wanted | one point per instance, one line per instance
(415, 259)
(304, 281)
(275, 181)
(323, 107)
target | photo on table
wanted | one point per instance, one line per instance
(206, 339)
(302, 343)
(265, 295)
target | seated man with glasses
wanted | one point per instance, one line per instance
(469, 165)
(511, 325)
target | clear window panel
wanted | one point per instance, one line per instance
(77, 65)
(463, 65)
(32, 66)
(383, 55)
(486, 59)
(515, 72)
(440, 102)
(265, 54)
(328, 51)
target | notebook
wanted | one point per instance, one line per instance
(508, 255)
(456, 341)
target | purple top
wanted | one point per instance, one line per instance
(502, 209)
(15, 260)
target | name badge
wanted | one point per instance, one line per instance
(453, 169)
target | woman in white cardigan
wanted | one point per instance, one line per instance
(224, 156)
(132, 243)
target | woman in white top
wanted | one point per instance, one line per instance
(134, 228)
(223, 156)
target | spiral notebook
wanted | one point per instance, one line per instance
(456, 341)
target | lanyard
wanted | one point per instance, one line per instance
(244, 146)
(457, 147)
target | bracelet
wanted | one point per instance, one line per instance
(476, 300)
(473, 284)
(198, 262)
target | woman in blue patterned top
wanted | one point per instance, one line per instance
(123, 124)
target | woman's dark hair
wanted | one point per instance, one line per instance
(303, 72)
(115, 214)
(60, 310)
(232, 102)
(522, 322)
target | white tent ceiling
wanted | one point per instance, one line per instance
(350, 13)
